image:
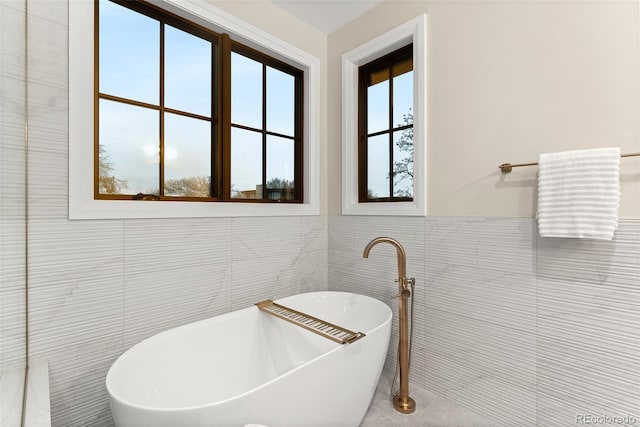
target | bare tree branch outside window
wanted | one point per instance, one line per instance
(195, 186)
(107, 182)
(403, 169)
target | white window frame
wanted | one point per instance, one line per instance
(414, 31)
(82, 204)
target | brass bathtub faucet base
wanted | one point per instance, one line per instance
(405, 406)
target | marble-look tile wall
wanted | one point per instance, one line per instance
(589, 327)
(12, 185)
(13, 266)
(98, 287)
(523, 330)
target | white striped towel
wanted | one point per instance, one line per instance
(579, 193)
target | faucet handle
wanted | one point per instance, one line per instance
(406, 293)
(408, 281)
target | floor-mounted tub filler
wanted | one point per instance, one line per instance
(402, 402)
(249, 367)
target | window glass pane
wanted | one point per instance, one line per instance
(378, 102)
(246, 91)
(280, 102)
(403, 163)
(246, 164)
(403, 99)
(187, 73)
(187, 156)
(129, 53)
(129, 149)
(378, 166)
(280, 165)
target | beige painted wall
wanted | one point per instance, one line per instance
(508, 80)
(275, 21)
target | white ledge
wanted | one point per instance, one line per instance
(11, 394)
(37, 411)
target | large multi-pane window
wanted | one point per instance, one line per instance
(386, 128)
(184, 113)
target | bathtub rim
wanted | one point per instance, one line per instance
(111, 395)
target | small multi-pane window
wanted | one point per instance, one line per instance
(385, 118)
(183, 113)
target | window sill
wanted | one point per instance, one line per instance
(384, 208)
(121, 209)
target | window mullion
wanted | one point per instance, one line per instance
(264, 131)
(214, 185)
(391, 177)
(362, 136)
(162, 112)
(96, 101)
(299, 146)
(224, 97)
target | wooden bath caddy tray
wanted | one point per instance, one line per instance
(310, 323)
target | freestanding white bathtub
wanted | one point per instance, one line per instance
(247, 367)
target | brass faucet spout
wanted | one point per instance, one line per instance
(402, 257)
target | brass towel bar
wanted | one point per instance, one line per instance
(506, 167)
(310, 323)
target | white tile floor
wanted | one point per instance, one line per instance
(431, 411)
